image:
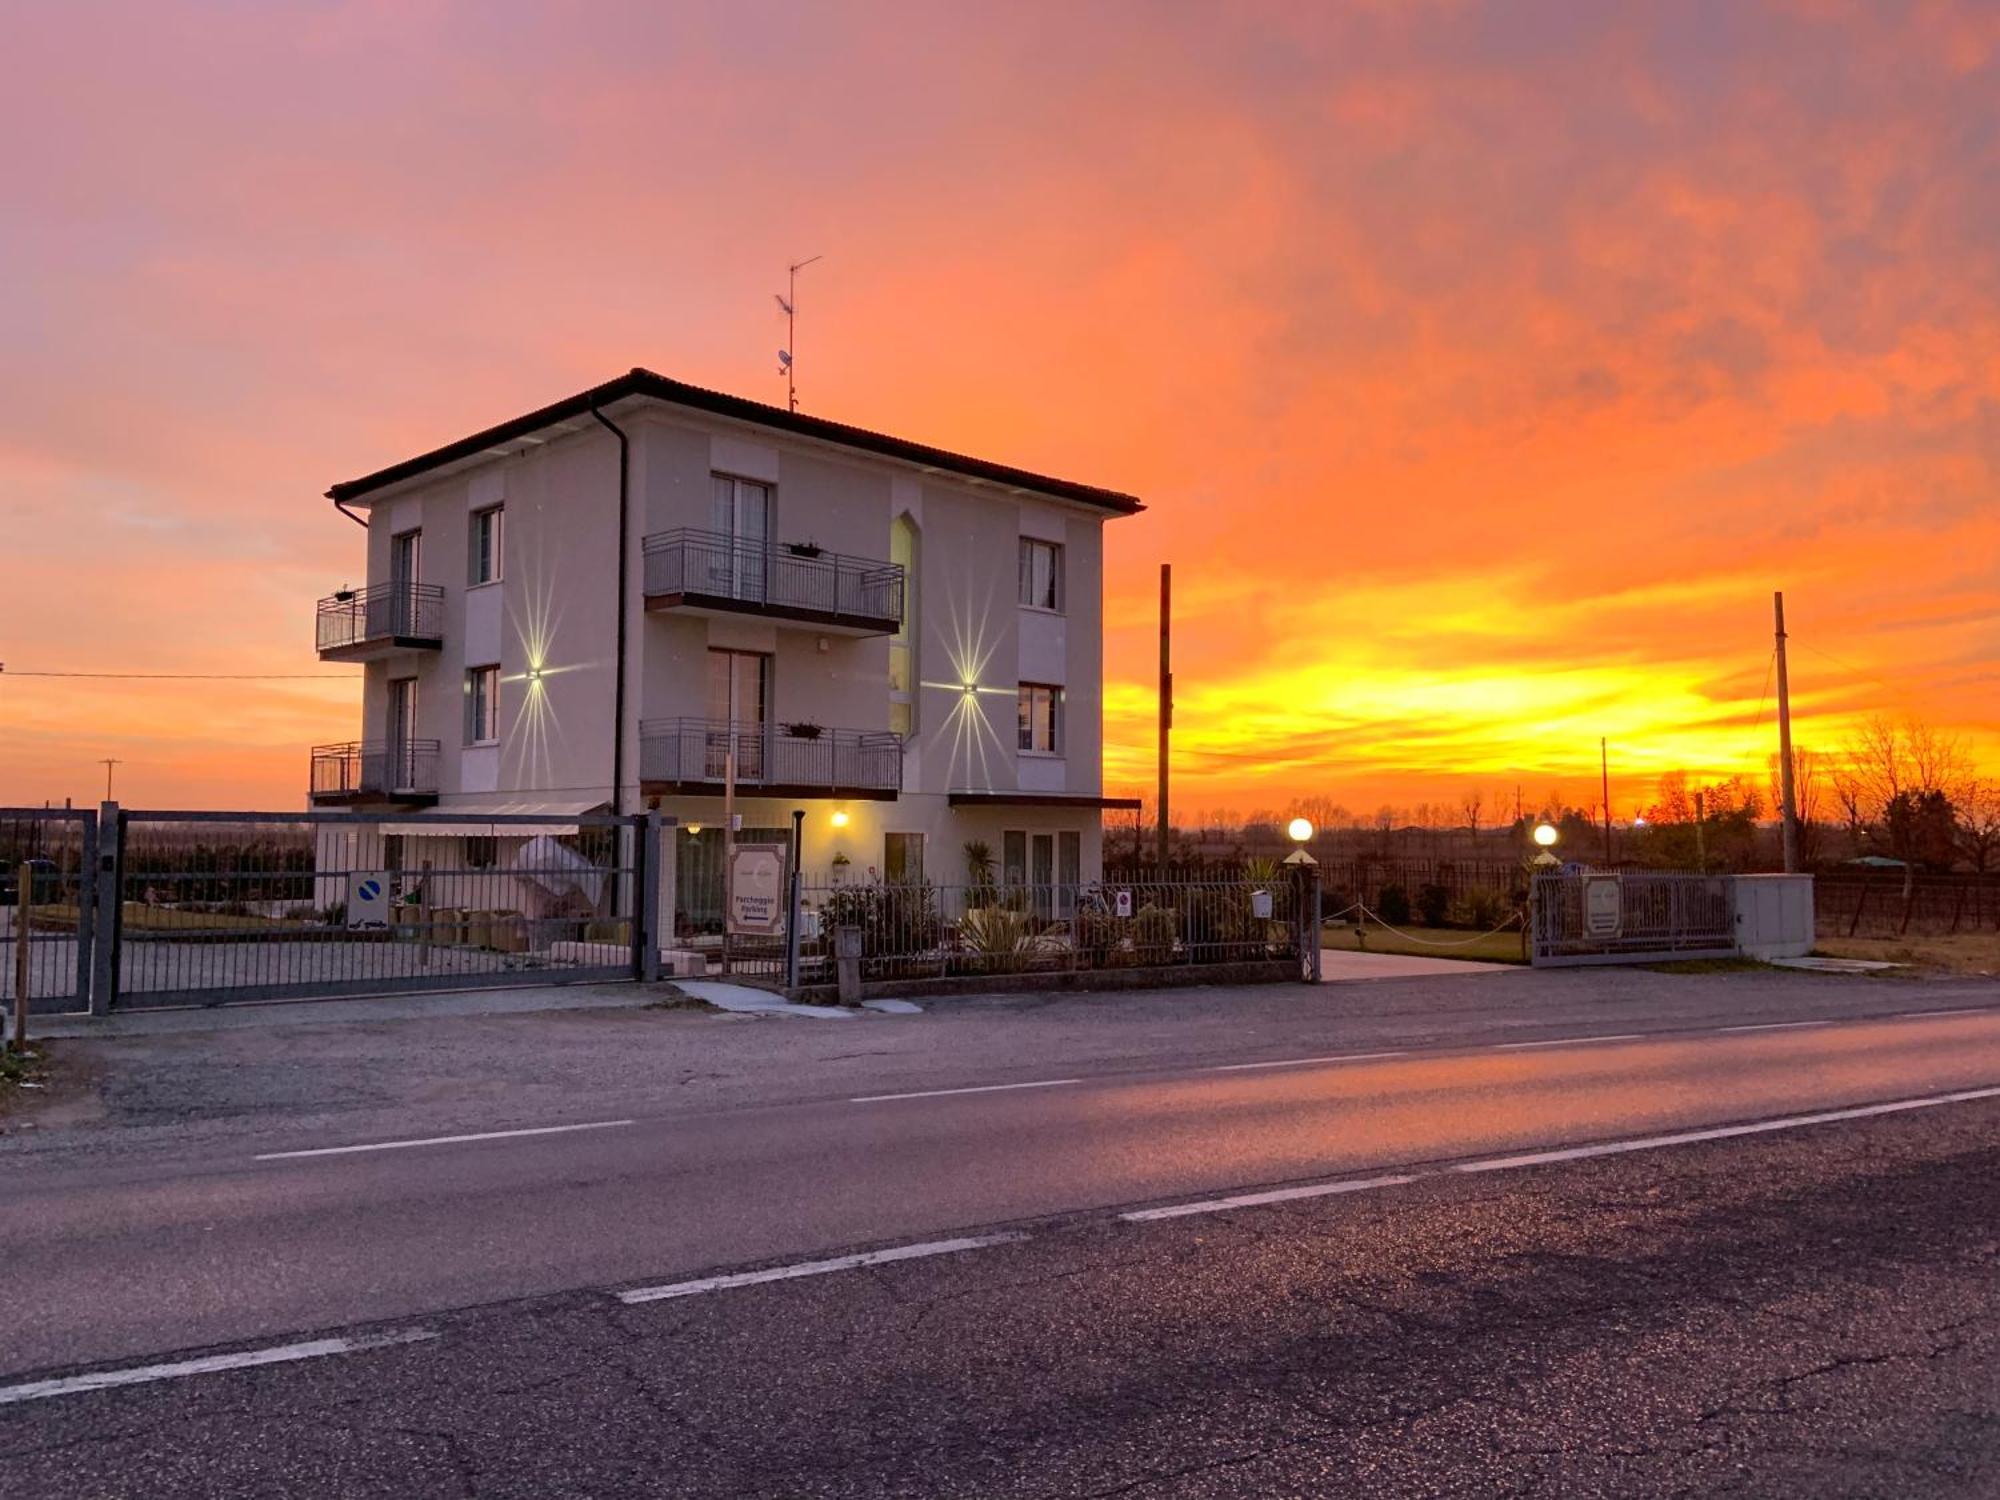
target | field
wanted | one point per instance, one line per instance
(1975, 953)
(1441, 942)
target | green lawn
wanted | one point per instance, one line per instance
(1440, 942)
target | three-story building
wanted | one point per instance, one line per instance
(622, 600)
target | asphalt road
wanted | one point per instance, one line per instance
(1811, 1313)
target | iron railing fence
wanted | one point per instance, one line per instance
(1477, 892)
(791, 576)
(221, 907)
(770, 754)
(1935, 905)
(918, 930)
(376, 767)
(1658, 915)
(411, 612)
(58, 847)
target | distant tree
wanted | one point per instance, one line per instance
(1922, 831)
(1809, 776)
(1469, 807)
(1979, 823)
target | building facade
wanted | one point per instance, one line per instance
(627, 598)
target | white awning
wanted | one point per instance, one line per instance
(461, 818)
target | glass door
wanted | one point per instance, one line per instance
(742, 514)
(402, 728)
(1044, 857)
(406, 553)
(739, 696)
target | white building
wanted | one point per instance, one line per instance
(587, 607)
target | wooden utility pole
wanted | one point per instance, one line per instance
(1604, 769)
(1166, 698)
(108, 764)
(1787, 792)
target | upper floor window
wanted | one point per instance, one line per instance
(482, 705)
(1041, 718)
(903, 645)
(1041, 574)
(485, 546)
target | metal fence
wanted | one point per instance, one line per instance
(375, 768)
(412, 612)
(58, 847)
(796, 577)
(793, 756)
(919, 930)
(1635, 916)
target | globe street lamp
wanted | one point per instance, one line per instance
(1546, 835)
(1300, 829)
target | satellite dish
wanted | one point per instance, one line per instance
(784, 359)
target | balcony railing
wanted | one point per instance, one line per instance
(713, 569)
(382, 616)
(694, 753)
(391, 769)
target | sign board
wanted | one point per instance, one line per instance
(367, 898)
(757, 889)
(1260, 905)
(1123, 903)
(1603, 906)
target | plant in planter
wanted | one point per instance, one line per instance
(803, 549)
(805, 729)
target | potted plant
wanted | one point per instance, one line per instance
(840, 862)
(803, 549)
(343, 596)
(805, 729)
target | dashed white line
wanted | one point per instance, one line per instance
(1957, 1010)
(1570, 1041)
(1253, 1200)
(1304, 1062)
(70, 1385)
(1775, 1026)
(815, 1268)
(440, 1140)
(984, 1088)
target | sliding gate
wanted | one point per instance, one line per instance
(214, 908)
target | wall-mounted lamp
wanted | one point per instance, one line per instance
(694, 830)
(840, 817)
(534, 674)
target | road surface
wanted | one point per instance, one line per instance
(1263, 1276)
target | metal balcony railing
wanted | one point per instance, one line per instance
(386, 613)
(696, 751)
(376, 768)
(773, 578)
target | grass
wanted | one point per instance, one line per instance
(138, 917)
(18, 1067)
(1976, 953)
(1491, 948)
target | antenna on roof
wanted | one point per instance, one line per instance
(790, 305)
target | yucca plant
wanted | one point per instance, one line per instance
(999, 938)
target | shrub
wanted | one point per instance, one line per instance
(1433, 904)
(1485, 910)
(999, 939)
(1219, 925)
(1392, 905)
(1153, 933)
(1101, 938)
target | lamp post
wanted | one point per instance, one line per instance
(1301, 831)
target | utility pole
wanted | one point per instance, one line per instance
(108, 763)
(787, 360)
(1787, 793)
(1166, 697)
(1604, 769)
(1701, 831)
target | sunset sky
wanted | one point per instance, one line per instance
(1485, 366)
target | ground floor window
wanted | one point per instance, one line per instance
(903, 858)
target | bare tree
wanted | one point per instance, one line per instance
(1470, 806)
(1979, 823)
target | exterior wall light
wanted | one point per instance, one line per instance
(840, 817)
(1300, 829)
(694, 830)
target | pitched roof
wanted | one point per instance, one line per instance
(640, 382)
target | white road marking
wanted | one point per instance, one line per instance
(1539, 1158)
(1571, 1041)
(1304, 1062)
(37, 1390)
(1918, 1015)
(1775, 1026)
(814, 1268)
(984, 1088)
(441, 1140)
(1722, 1132)
(1253, 1200)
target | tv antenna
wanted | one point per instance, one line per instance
(787, 365)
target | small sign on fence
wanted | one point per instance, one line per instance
(1603, 906)
(367, 898)
(1123, 902)
(757, 889)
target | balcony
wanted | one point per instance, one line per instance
(690, 756)
(404, 771)
(713, 573)
(381, 620)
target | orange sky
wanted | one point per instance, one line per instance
(1485, 366)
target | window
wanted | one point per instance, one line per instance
(1014, 857)
(1041, 718)
(903, 858)
(1041, 574)
(482, 706)
(481, 852)
(484, 538)
(903, 644)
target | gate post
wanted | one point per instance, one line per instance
(86, 910)
(108, 925)
(646, 912)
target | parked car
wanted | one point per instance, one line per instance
(47, 882)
